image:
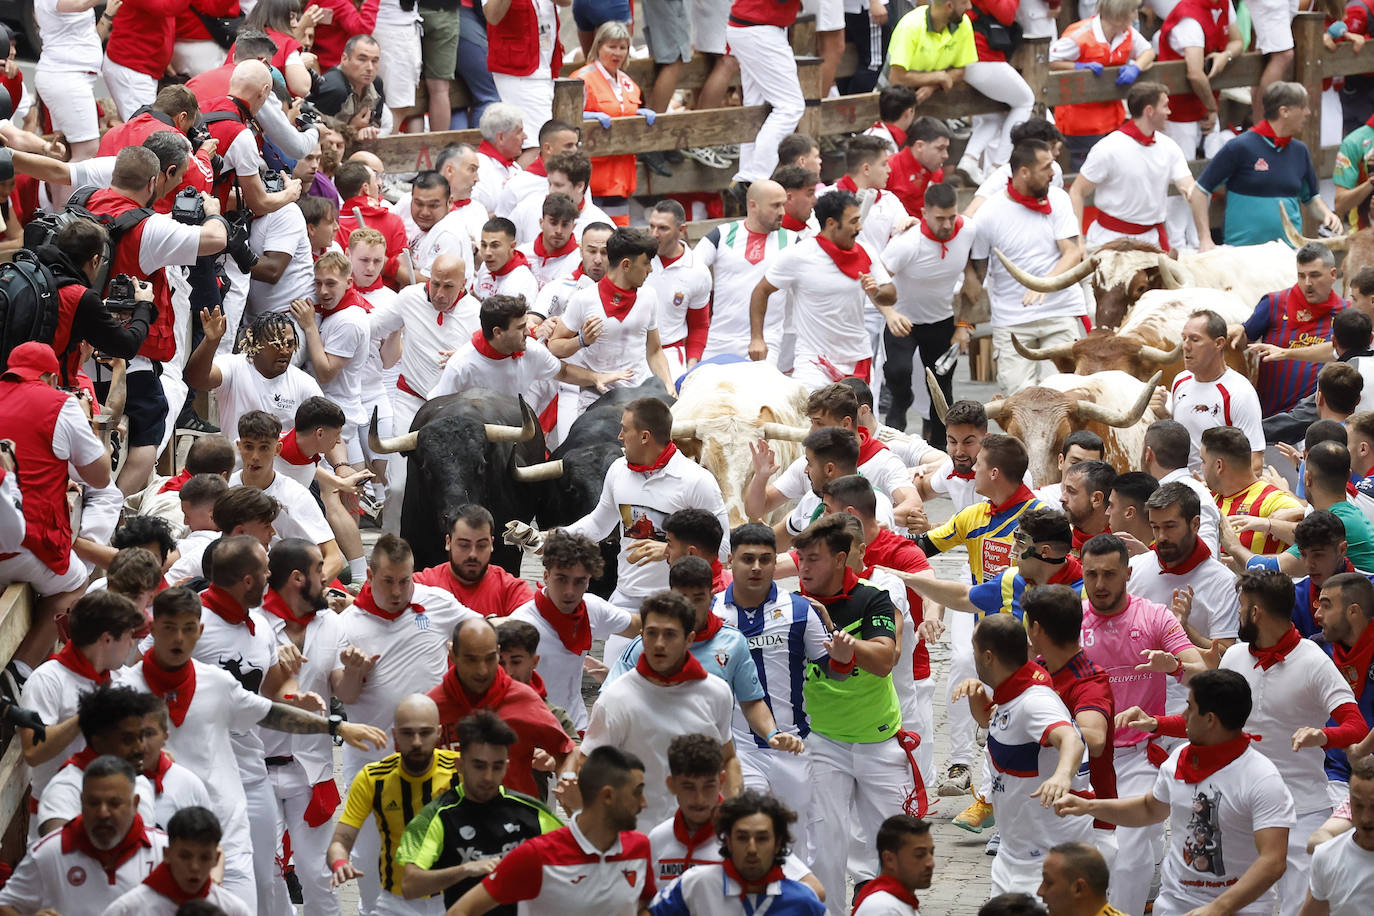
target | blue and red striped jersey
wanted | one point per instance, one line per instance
(1286, 319)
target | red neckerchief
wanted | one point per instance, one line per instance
(1197, 762)
(847, 586)
(660, 462)
(541, 251)
(537, 168)
(72, 658)
(1022, 494)
(350, 298)
(1266, 130)
(494, 153)
(892, 886)
(369, 604)
(574, 630)
(74, 839)
(1298, 302)
(1268, 658)
(465, 703)
(375, 285)
(1038, 204)
(774, 875)
(720, 579)
(1130, 129)
(81, 759)
(292, 453)
(943, 243)
(517, 259)
(1201, 552)
(538, 686)
(439, 316)
(847, 184)
(227, 607)
(690, 841)
(868, 446)
(713, 625)
(160, 880)
(176, 686)
(898, 135)
(961, 475)
(691, 671)
(851, 261)
(484, 347)
(1070, 572)
(615, 302)
(1025, 677)
(174, 484)
(791, 222)
(274, 604)
(579, 273)
(1354, 662)
(159, 771)
(1080, 537)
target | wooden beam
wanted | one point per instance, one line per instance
(1071, 87)
(16, 613)
(1308, 54)
(14, 784)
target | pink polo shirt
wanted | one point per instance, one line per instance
(1115, 642)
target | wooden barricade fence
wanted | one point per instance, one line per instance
(16, 614)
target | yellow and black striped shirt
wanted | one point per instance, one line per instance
(386, 790)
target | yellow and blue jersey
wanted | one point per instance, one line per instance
(986, 530)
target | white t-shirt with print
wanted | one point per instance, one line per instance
(244, 388)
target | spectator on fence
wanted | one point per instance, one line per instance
(1266, 165)
(194, 49)
(1352, 176)
(611, 93)
(1108, 39)
(439, 45)
(931, 46)
(524, 54)
(340, 20)
(869, 29)
(353, 91)
(757, 35)
(919, 163)
(398, 65)
(554, 137)
(66, 73)
(503, 138)
(996, 36)
(590, 15)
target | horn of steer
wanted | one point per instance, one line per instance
(937, 397)
(1089, 410)
(1047, 284)
(544, 470)
(783, 431)
(1169, 274)
(498, 433)
(1161, 357)
(1062, 351)
(392, 444)
(1297, 239)
(684, 429)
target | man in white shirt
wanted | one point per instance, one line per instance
(193, 836)
(503, 139)
(866, 174)
(434, 225)
(683, 287)
(553, 252)
(568, 173)
(1343, 868)
(590, 268)
(906, 857)
(1165, 458)
(283, 271)
(338, 338)
(504, 270)
(1033, 225)
(555, 136)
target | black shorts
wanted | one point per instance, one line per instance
(146, 409)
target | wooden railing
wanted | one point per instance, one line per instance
(16, 615)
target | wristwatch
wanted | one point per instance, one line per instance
(334, 723)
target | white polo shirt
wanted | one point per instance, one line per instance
(1031, 241)
(1230, 400)
(244, 388)
(347, 333)
(739, 258)
(831, 305)
(300, 515)
(180, 789)
(514, 375)
(929, 274)
(562, 874)
(623, 344)
(60, 876)
(547, 270)
(281, 231)
(518, 281)
(560, 669)
(681, 285)
(53, 691)
(424, 335)
(1343, 875)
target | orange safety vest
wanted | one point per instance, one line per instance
(612, 176)
(1091, 119)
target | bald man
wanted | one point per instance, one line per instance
(738, 253)
(227, 118)
(392, 791)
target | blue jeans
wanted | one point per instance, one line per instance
(472, 68)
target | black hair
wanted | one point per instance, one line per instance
(1013, 904)
(652, 416)
(1352, 329)
(751, 802)
(317, 412)
(287, 556)
(194, 824)
(99, 612)
(564, 550)
(1322, 528)
(1135, 486)
(695, 528)
(671, 605)
(560, 208)
(1102, 544)
(514, 635)
(627, 244)
(605, 766)
(498, 311)
(1097, 476)
(100, 711)
(175, 602)
(1057, 609)
(753, 533)
(1005, 636)
(835, 445)
(1329, 465)
(832, 206)
(894, 831)
(1170, 442)
(498, 224)
(145, 529)
(1176, 493)
(1271, 589)
(1085, 439)
(485, 727)
(1324, 431)
(856, 492)
(895, 101)
(690, 572)
(1223, 693)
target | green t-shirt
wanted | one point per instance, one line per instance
(1359, 535)
(1350, 168)
(863, 708)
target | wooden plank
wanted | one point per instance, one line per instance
(1308, 52)
(14, 786)
(1071, 87)
(16, 613)
(1345, 62)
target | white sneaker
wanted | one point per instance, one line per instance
(969, 168)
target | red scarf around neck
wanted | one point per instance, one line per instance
(542, 251)
(892, 886)
(690, 841)
(465, 703)
(1268, 658)
(1354, 662)
(227, 607)
(350, 298)
(847, 586)
(1298, 302)
(1198, 761)
(898, 135)
(517, 259)
(943, 243)
(81, 759)
(274, 604)
(962, 475)
(691, 671)
(615, 302)
(176, 686)
(292, 453)
(1266, 130)
(484, 347)
(1070, 572)
(1201, 553)
(868, 445)
(159, 771)
(1130, 129)
(537, 168)
(1023, 493)
(1038, 204)
(659, 464)
(774, 876)
(161, 881)
(791, 222)
(1024, 678)
(75, 839)
(75, 661)
(574, 630)
(538, 686)
(372, 287)
(852, 262)
(174, 484)
(708, 632)
(368, 603)
(487, 148)
(847, 184)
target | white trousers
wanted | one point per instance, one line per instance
(532, 95)
(404, 407)
(921, 721)
(193, 57)
(399, 64)
(958, 720)
(265, 828)
(856, 785)
(1292, 887)
(130, 89)
(1015, 876)
(1015, 372)
(1138, 849)
(309, 845)
(1179, 216)
(991, 136)
(389, 904)
(70, 97)
(768, 75)
(786, 776)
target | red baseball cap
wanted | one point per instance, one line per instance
(30, 361)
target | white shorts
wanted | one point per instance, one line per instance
(829, 14)
(533, 95)
(1015, 876)
(708, 25)
(1273, 24)
(25, 567)
(399, 66)
(130, 89)
(70, 97)
(193, 57)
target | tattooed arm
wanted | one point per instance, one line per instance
(284, 718)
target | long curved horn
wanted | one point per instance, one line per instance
(684, 429)
(996, 409)
(1297, 239)
(1062, 351)
(392, 444)
(499, 433)
(533, 473)
(785, 432)
(1169, 273)
(1159, 357)
(1048, 284)
(937, 397)
(1090, 410)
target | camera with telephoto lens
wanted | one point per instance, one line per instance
(198, 134)
(121, 298)
(239, 223)
(188, 208)
(309, 116)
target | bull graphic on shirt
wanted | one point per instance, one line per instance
(1202, 836)
(642, 523)
(250, 678)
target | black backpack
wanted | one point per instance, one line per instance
(43, 228)
(29, 305)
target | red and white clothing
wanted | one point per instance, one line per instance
(675, 850)
(562, 874)
(554, 295)
(1133, 180)
(1216, 606)
(175, 787)
(458, 231)
(878, 464)
(1211, 516)
(877, 902)
(958, 487)
(515, 279)
(1343, 875)
(756, 36)
(929, 273)
(894, 135)
(1230, 400)
(147, 900)
(294, 463)
(627, 317)
(738, 259)
(1212, 823)
(832, 342)
(53, 691)
(1030, 239)
(494, 169)
(300, 515)
(547, 264)
(71, 57)
(65, 873)
(425, 332)
(496, 594)
(559, 665)
(883, 214)
(62, 795)
(243, 388)
(530, 211)
(526, 183)
(346, 333)
(683, 288)
(476, 364)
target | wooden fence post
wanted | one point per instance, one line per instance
(1308, 60)
(809, 75)
(569, 101)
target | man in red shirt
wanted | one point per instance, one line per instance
(919, 163)
(468, 575)
(476, 681)
(361, 191)
(139, 50)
